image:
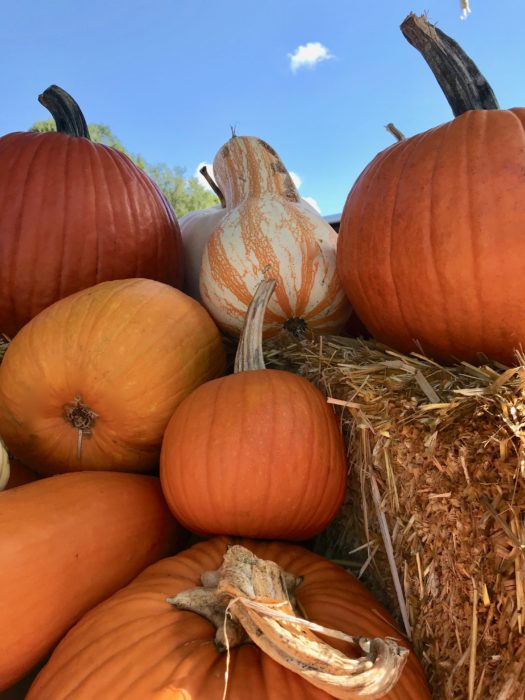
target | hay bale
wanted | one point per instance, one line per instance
(434, 518)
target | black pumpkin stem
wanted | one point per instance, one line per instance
(458, 76)
(65, 111)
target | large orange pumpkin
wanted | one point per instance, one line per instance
(91, 382)
(75, 213)
(430, 248)
(136, 646)
(257, 453)
(67, 543)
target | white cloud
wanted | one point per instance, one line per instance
(311, 201)
(202, 180)
(295, 179)
(308, 55)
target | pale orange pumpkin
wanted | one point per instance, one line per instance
(257, 453)
(91, 382)
(269, 229)
(136, 646)
(68, 542)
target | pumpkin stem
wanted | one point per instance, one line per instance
(215, 187)
(80, 417)
(458, 76)
(249, 355)
(255, 599)
(398, 135)
(4, 344)
(5, 469)
(65, 111)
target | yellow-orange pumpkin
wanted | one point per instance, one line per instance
(67, 543)
(430, 246)
(91, 382)
(136, 646)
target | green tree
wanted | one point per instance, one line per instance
(184, 194)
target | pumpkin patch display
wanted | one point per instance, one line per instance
(75, 213)
(268, 229)
(91, 382)
(68, 542)
(430, 248)
(156, 639)
(257, 453)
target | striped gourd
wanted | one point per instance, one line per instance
(268, 230)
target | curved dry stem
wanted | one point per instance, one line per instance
(249, 355)
(458, 76)
(215, 187)
(255, 599)
(65, 111)
(392, 128)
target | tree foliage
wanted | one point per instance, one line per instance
(184, 194)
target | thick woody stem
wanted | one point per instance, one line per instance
(398, 135)
(458, 76)
(65, 111)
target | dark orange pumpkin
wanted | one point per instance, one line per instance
(136, 646)
(68, 542)
(430, 248)
(257, 453)
(92, 381)
(75, 213)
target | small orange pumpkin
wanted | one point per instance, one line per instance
(136, 646)
(91, 382)
(257, 453)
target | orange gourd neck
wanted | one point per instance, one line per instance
(65, 111)
(458, 76)
(247, 167)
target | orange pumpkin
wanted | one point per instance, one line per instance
(136, 646)
(68, 542)
(257, 453)
(75, 213)
(91, 382)
(430, 245)
(267, 227)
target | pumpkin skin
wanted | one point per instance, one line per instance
(196, 227)
(129, 351)
(256, 454)
(75, 213)
(68, 542)
(136, 646)
(268, 228)
(430, 242)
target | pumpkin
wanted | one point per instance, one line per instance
(196, 227)
(431, 239)
(75, 213)
(91, 382)
(68, 542)
(257, 453)
(136, 646)
(268, 228)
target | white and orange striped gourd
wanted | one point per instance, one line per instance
(268, 230)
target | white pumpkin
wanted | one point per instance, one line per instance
(268, 230)
(196, 227)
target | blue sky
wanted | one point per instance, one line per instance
(170, 77)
